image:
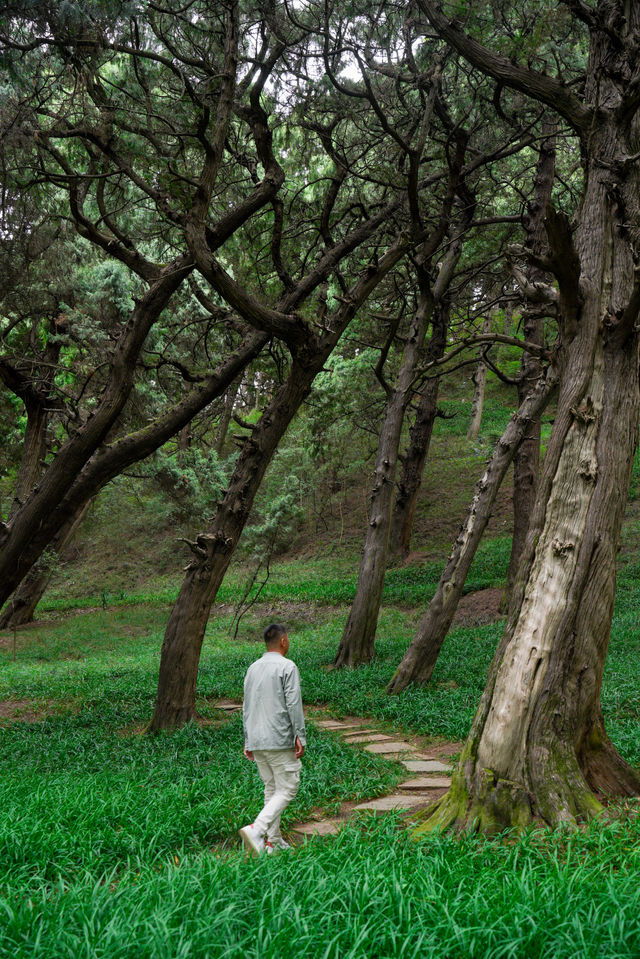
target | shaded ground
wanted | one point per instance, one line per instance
(476, 609)
(24, 710)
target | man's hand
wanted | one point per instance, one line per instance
(248, 754)
(299, 748)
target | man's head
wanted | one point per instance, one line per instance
(276, 639)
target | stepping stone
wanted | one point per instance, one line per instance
(389, 748)
(426, 782)
(425, 766)
(387, 803)
(228, 705)
(368, 738)
(330, 724)
(360, 732)
(325, 827)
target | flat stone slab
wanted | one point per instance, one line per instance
(360, 731)
(368, 738)
(325, 827)
(426, 766)
(426, 782)
(228, 705)
(387, 803)
(390, 748)
(331, 724)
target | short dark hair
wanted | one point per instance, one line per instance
(273, 633)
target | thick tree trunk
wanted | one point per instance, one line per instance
(538, 746)
(21, 607)
(358, 639)
(479, 384)
(526, 462)
(175, 701)
(408, 486)
(420, 658)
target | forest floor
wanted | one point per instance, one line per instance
(107, 836)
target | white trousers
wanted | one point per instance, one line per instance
(280, 772)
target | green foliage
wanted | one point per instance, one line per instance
(188, 483)
(274, 531)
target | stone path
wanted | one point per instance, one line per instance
(413, 793)
(428, 775)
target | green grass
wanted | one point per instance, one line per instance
(116, 845)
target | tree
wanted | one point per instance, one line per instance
(121, 120)
(538, 302)
(519, 444)
(538, 747)
(213, 550)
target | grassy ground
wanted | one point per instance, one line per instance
(115, 845)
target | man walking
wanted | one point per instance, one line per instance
(274, 736)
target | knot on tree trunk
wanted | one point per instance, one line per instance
(205, 545)
(584, 414)
(588, 469)
(560, 548)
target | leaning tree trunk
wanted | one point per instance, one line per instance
(526, 462)
(408, 486)
(419, 661)
(111, 459)
(358, 639)
(175, 700)
(25, 525)
(21, 607)
(184, 634)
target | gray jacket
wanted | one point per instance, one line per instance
(272, 708)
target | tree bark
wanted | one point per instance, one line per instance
(225, 417)
(526, 462)
(34, 449)
(408, 486)
(420, 658)
(358, 639)
(479, 384)
(21, 607)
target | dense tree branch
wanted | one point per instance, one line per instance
(540, 87)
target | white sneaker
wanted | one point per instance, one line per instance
(253, 841)
(273, 845)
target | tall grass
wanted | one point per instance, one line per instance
(116, 845)
(369, 892)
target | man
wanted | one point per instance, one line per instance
(274, 736)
